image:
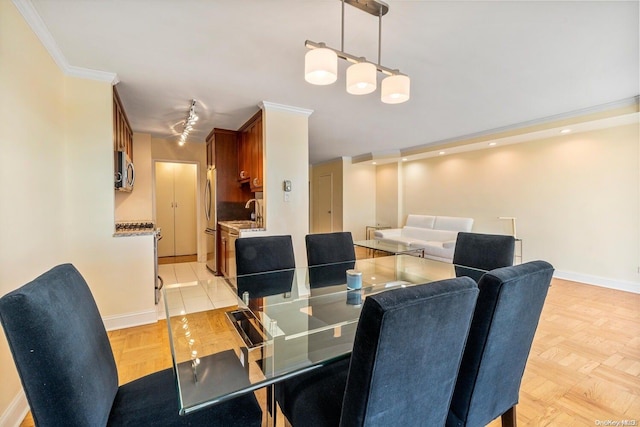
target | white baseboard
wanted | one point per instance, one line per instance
(604, 282)
(16, 411)
(129, 320)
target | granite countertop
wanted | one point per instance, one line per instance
(129, 233)
(241, 225)
(135, 228)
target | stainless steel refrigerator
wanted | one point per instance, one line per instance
(212, 221)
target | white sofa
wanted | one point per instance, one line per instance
(435, 234)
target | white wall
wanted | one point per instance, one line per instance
(286, 157)
(576, 199)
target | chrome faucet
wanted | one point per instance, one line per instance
(258, 210)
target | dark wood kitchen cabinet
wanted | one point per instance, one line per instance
(122, 134)
(250, 153)
(223, 253)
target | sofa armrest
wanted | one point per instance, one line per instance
(449, 244)
(387, 233)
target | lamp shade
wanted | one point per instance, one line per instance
(321, 66)
(361, 78)
(395, 89)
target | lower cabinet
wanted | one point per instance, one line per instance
(227, 260)
(222, 253)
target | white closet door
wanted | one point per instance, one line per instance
(164, 207)
(185, 209)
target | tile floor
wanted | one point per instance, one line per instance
(199, 289)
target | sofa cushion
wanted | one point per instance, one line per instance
(422, 221)
(453, 223)
(426, 234)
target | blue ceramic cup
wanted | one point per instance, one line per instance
(354, 279)
(354, 298)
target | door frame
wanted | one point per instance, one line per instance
(200, 243)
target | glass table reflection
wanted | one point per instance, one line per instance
(285, 323)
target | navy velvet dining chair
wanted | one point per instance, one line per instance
(264, 253)
(402, 369)
(327, 248)
(483, 252)
(500, 339)
(333, 249)
(66, 365)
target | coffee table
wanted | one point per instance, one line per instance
(391, 248)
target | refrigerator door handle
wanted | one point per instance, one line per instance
(207, 200)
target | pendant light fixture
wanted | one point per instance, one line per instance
(321, 63)
(321, 66)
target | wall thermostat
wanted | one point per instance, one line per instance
(286, 185)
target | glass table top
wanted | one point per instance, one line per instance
(385, 246)
(285, 323)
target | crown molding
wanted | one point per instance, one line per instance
(33, 19)
(266, 105)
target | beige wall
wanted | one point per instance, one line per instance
(576, 199)
(191, 152)
(57, 192)
(32, 181)
(138, 204)
(335, 169)
(359, 198)
(388, 183)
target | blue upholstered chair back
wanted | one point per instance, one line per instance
(61, 349)
(325, 248)
(482, 251)
(261, 254)
(504, 323)
(406, 354)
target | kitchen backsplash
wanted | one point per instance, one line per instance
(228, 211)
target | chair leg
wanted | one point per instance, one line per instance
(509, 417)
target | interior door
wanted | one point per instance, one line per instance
(325, 204)
(185, 209)
(164, 208)
(176, 208)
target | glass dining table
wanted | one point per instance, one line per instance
(285, 323)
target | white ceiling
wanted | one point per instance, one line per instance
(474, 65)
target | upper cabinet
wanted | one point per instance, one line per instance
(122, 134)
(250, 153)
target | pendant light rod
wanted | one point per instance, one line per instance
(352, 58)
(380, 37)
(342, 30)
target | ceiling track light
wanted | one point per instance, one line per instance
(321, 63)
(191, 119)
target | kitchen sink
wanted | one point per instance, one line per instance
(243, 224)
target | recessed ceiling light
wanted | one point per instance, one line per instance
(492, 144)
(374, 163)
(441, 153)
(565, 131)
(404, 159)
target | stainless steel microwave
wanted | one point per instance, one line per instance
(125, 173)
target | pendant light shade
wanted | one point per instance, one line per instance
(321, 66)
(361, 78)
(395, 89)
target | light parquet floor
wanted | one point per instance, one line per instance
(583, 370)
